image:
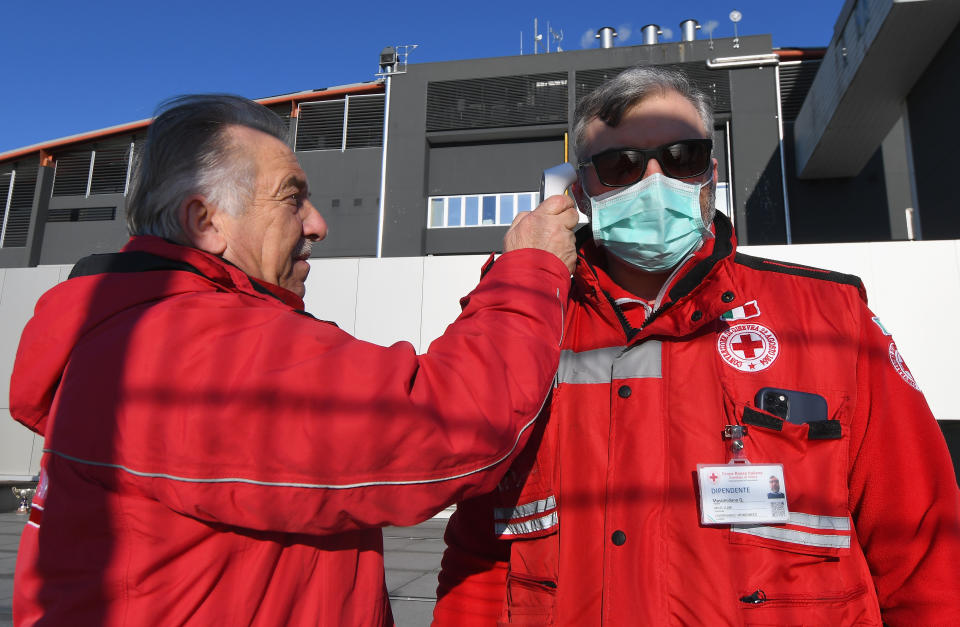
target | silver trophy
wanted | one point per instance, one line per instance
(25, 499)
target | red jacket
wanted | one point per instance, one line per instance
(215, 456)
(598, 521)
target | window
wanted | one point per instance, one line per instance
(473, 211)
(6, 191)
(102, 169)
(436, 212)
(453, 211)
(351, 122)
(109, 174)
(489, 210)
(72, 174)
(82, 214)
(478, 210)
(506, 208)
(19, 184)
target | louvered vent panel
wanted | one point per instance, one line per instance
(795, 82)
(716, 83)
(5, 178)
(283, 111)
(73, 170)
(497, 102)
(86, 214)
(320, 126)
(138, 144)
(110, 170)
(365, 122)
(18, 222)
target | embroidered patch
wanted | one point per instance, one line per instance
(883, 329)
(896, 359)
(749, 310)
(748, 347)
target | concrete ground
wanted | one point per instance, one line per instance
(411, 557)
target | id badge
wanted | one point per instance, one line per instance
(732, 494)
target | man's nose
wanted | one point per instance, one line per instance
(314, 226)
(653, 167)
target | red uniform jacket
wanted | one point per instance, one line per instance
(598, 522)
(215, 456)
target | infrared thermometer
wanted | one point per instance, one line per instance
(556, 180)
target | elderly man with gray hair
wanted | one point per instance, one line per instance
(213, 454)
(690, 374)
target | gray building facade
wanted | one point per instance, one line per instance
(465, 142)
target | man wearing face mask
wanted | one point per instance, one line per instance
(642, 496)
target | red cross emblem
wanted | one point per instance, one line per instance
(748, 347)
(713, 477)
(749, 344)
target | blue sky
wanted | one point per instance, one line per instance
(71, 67)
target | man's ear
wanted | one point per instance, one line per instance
(201, 225)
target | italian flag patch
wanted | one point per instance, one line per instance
(749, 310)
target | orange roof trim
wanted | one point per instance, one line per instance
(800, 54)
(318, 94)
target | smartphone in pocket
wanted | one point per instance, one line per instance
(792, 406)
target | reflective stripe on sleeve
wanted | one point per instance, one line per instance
(605, 364)
(527, 509)
(528, 526)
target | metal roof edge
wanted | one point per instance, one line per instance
(370, 86)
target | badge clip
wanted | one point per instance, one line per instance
(736, 433)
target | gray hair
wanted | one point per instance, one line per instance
(189, 151)
(612, 99)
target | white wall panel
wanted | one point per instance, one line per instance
(22, 287)
(389, 298)
(914, 288)
(19, 291)
(332, 291)
(446, 279)
(918, 302)
(64, 271)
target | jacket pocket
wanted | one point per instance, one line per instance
(814, 458)
(531, 600)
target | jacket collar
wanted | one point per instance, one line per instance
(212, 267)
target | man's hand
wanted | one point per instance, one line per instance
(549, 227)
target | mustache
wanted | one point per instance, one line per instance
(303, 249)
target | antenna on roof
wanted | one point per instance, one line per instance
(393, 59)
(709, 27)
(735, 16)
(557, 37)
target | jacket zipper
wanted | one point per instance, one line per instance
(759, 597)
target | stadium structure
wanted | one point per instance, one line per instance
(832, 157)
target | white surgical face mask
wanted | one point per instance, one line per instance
(652, 224)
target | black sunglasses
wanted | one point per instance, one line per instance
(619, 167)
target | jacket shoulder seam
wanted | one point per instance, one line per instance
(796, 269)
